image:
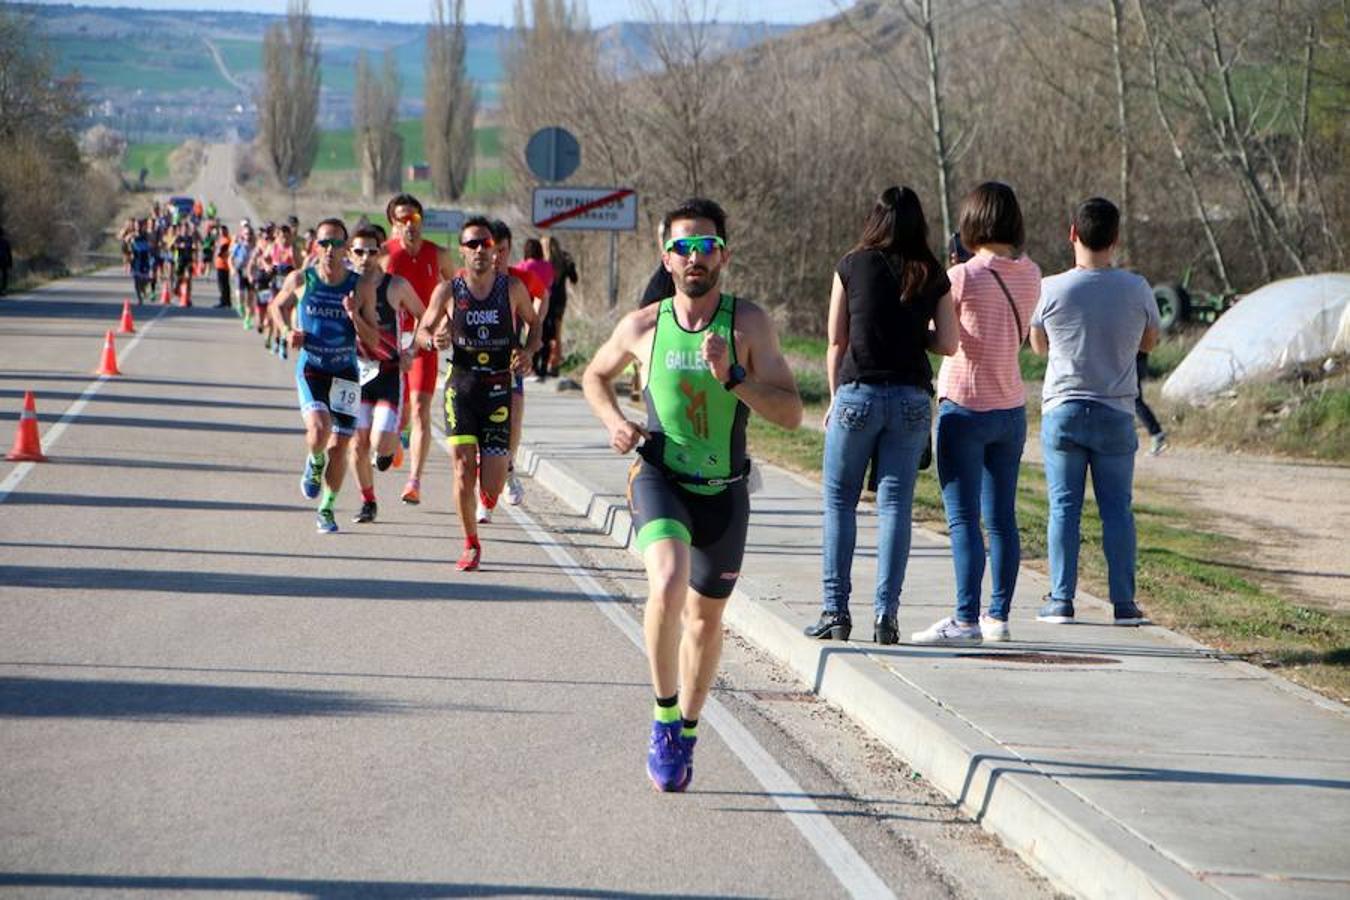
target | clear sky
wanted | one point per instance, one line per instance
(498, 12)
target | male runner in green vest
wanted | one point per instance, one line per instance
(708, 359)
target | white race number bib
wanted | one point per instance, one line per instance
(344, 397)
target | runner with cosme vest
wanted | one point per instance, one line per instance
(481, 311)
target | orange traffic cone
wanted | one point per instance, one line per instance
(183, 296)
(127, 326)
(164, 293)
(27, 444)
(109, 364)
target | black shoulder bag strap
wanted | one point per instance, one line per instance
(1021, 337)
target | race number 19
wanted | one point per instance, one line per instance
(344, 397)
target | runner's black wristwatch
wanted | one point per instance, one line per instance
(734, 377)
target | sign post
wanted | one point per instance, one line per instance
(553, 154)
(589, 209)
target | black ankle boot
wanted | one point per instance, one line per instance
(831, 626)
(886, 630)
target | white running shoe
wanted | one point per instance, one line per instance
(948, 632)
(514, 493)
(484, 514)
(994, 629)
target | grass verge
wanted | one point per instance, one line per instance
(1190, 578)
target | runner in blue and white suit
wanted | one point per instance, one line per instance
(335, 307)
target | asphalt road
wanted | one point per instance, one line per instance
(198, 693)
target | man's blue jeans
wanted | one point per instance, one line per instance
(891, 421)
(1079, 436)
(978, 454)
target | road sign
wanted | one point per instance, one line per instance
(552, 154)
(450, 221)
(585, 209)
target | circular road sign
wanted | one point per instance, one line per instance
(552, 154)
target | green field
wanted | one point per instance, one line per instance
(338, 65)
(337, 153)
(154, 157)
(139, 63)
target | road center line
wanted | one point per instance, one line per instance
(19, 472)
(846, 864)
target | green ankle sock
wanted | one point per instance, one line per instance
(329, 498)
(666, 714)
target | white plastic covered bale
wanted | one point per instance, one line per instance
(1297, 320)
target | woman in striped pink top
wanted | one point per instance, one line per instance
(982, 420)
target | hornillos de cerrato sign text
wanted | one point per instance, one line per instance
(585, 209)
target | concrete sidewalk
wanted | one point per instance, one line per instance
(1120, 762)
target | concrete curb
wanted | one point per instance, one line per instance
(1053, 829)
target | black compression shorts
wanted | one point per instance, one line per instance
(714, 526)
(478, 410)
(386, 388)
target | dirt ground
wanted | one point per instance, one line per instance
(1294, 514)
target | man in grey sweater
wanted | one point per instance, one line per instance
(1092, 320)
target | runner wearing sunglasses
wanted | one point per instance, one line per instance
(424, 266)
(514, 493)
(708, 359)
(481, 310)
(380, 367)
(335, 307)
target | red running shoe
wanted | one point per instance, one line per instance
(468, 560)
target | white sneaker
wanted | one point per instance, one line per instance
(514, 493)
(994, 629)
(948, 632)
(484, 515)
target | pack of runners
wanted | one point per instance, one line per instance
(370, 317)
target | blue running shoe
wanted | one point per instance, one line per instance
(665, 758)
(312, 480)
(687, 748)
(326, 523)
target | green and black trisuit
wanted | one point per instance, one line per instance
(690, 482)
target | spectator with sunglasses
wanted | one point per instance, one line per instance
(710, 359)
(424, 266)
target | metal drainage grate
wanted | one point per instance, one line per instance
(1044, 659)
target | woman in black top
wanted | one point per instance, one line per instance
(890, 304)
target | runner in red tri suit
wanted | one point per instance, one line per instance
(424, 266)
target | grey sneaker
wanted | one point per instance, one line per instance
(948, 632)
(1157, 444)
(515, 492)
(1130, 614)
(1056, 612)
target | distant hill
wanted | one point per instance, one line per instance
(159, 76)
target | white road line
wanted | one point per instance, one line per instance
(19, 472)
(848, 867)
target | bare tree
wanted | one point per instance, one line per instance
(378, 144)
(451, 105)
(1178, 152)
(1116, 8)
(288, 110)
